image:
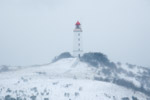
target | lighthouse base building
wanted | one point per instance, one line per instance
(77, 46)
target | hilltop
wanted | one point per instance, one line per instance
(91, 77)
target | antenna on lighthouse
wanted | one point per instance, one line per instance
(77, 50)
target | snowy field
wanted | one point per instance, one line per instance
(66, 79)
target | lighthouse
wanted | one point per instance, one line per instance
(77, 45)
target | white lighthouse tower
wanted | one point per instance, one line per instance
(77, 47)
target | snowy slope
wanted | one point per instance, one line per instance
(66, 79)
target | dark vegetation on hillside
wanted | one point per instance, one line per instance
(4, 68)
(62, 56)
(97, 59)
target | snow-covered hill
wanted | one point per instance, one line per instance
(70, 78)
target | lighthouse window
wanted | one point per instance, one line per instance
(77, 26)
(79, 44)
(78, 39)
(79, 34)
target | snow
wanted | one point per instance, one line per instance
(85, 89)
(66, 79)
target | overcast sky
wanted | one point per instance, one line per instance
(35, 31)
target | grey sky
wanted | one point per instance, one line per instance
(34, 31)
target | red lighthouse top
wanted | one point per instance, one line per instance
(77, 27)
(78, 23)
